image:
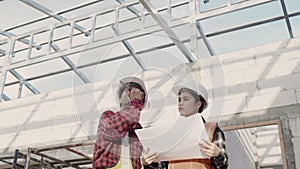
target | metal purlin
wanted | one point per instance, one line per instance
(71, 65)
(23, 40)
(56, 161)
(30, 42)
(54, 46)
(16, 74)
(127, 45)
(95, 44)
(83, 30)
(130, 49)
(26, 83)
(287, 19)
(5, 97)
(59, 13)
(201, 30)
(153, 12)
(55, 16)
(56, 49)
(130, 8)
(193, 29)
(205, 39)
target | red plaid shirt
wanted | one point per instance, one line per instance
(112, 128)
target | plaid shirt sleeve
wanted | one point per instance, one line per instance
(220, 161)
(115, 126)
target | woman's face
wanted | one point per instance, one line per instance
(187, 104)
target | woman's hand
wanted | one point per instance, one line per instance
(209, 148)
(147, 158)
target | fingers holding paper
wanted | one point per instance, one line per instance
(148, 157)
(209, 148)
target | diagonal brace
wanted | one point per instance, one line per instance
(148, 6)
(52, 14)
(130, 49)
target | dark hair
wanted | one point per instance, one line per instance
(197, 98)
(123, 87)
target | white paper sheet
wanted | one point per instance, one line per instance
(177, 141)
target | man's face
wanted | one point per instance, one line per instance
(187, 104)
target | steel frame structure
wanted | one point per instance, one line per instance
(38, 157)
(53, 50)
(9, 51)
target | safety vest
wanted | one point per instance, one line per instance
(124, 161)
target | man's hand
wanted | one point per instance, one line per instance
(209, 148)
(136, 93)
(125, 100)
(147, 158)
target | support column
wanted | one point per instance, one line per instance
(6, 64)
(14, 166)
(287, 143)
(193, 27)
(27, 162)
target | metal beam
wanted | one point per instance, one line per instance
(88, 46)
(148, 6)
(27, 161)
(55, 16)
(23, 40)
(16, 74)
(2, 83)
(287, 19)
(20, 90)
(264, 21)
(232, 8)
(6, 63)
(130, 8)
(54, 46)
(205, 40)
(14, 165)
(5, 97)
(55, 159)
(131, 50)
(143, 32)
(193, 29)
(2, 51)
(71, 64)
(47, 17)
(63, 146)
(79, 153)
(105, 60)
(26, 83)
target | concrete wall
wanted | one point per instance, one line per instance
(246, 81)
(294, 122)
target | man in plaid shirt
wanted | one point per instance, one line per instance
(117, 145)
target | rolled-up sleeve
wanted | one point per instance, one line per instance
(220, 161)
(114, 126)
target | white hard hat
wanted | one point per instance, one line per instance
(139, 82)
(199, 89)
